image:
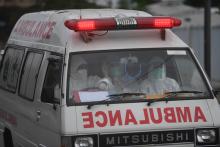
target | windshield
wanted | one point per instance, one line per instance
(96, 76)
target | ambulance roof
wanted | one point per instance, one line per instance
(46, 30)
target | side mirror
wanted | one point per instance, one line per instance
(56, 101)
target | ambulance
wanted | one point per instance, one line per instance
(103, 78)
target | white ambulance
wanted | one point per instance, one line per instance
(103, 78)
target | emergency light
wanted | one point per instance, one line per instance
(125, 23)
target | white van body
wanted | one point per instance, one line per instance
(39, 39)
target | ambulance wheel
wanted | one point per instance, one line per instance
(8, 138)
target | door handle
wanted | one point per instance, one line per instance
(38, 115)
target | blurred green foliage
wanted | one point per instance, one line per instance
(11, 14)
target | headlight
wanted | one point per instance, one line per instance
(206, 136)
(84, 142)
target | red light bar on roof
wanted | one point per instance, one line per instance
(129, 23)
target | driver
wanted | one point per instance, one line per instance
(157, 83)
(79, 79)
(78, 73)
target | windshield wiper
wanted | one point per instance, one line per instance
(150, 101)
(167, 96)
(174, 93)
(122, 95)
(119, 96)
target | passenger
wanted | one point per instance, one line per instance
(78, 73)
(106, 82)
(157, 82)
(79, 79)
(120, 75)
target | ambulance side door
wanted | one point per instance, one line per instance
(25, 106)
(48, 97)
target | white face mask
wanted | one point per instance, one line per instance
(157, 73)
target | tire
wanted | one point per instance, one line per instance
(7, 138)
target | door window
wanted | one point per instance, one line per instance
(30, 74)
(51, 92)
(10, 68)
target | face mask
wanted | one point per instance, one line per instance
(116, 71)
(157, 73)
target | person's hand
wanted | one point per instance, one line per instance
(104, 84)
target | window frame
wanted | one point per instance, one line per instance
(23, 66)
(51, 54)
(196, 62)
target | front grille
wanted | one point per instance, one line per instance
(146, 138)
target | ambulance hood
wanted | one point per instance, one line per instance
(136, 117)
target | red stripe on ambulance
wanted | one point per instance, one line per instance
(147, 116)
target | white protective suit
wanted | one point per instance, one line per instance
(106, 82)
(157, 82)
(79, 79)
(117, 77)
(78, 76)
